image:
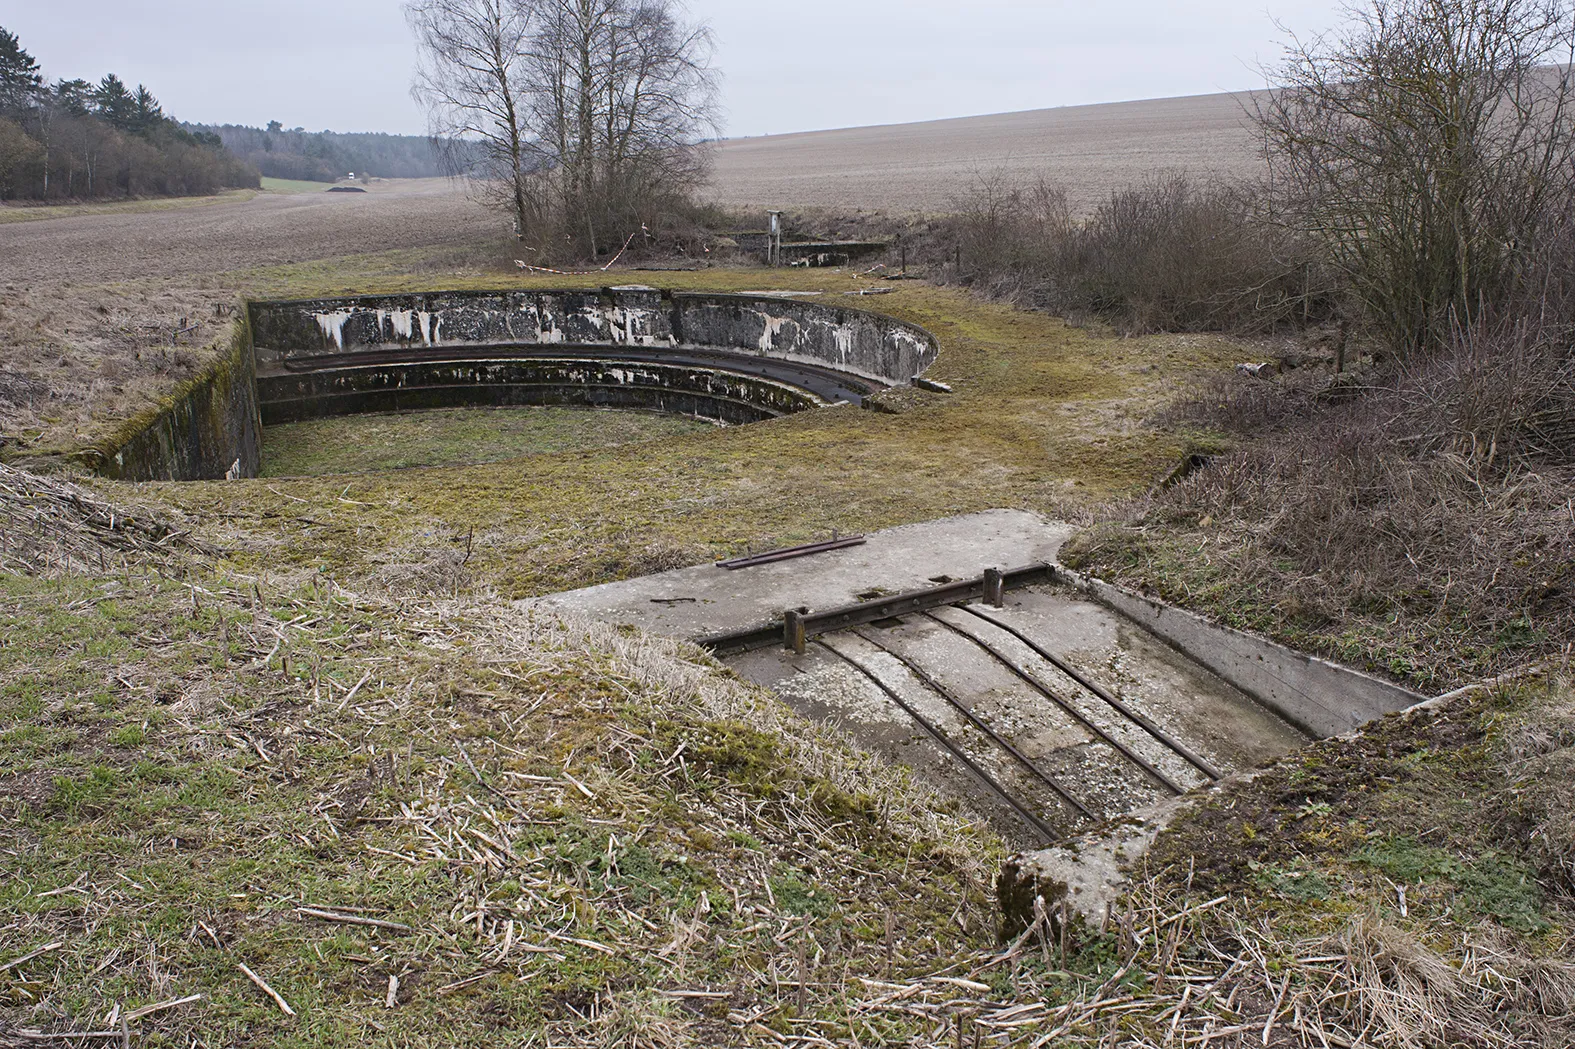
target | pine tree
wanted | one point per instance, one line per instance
(114, 103)
(19, 76)
(146, 113)
(74, 96)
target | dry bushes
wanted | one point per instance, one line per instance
(1417, 519)
(1167, 255)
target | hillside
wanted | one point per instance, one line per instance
(923, 167)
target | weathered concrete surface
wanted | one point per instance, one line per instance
(1211, 718)
(209, 428)
(704, 393)
(860, 343)
(705, 600)
(1319, 697)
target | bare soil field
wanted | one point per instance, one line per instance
(90, 305)
(1088, 150)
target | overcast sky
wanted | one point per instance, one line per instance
(789, 65)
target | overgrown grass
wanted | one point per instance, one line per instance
(574, 832)
(454, 437)
(1044, 417)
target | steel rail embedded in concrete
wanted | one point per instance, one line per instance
(973, 719)
(1175, 745)
(945, 741)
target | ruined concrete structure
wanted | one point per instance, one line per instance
(726, 358)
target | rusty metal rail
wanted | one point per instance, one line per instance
(790, 552)
(979, 723)
(952, 748)
(798, 627)
(1137, 717)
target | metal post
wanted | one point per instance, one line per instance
(793, 636)
(994, 587)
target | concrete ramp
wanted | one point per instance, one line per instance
(1042, 701)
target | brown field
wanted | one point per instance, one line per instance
(89, 304)
(1088, 150)
(90, 300)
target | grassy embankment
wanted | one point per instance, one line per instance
(1044, 416)
(293, 185)
(446, 823)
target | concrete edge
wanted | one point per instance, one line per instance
(1320, 697)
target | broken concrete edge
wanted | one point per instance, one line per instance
(1320, 697)
(1078, 884)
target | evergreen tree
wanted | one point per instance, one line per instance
(73, 96)
(19, 76)
(114, 103)
(146, 113)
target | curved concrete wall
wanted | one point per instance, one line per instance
(719, 396)
(289, 335)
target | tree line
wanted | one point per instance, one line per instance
(323, 156)
(73, 139)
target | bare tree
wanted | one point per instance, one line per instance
(1424, 146)
(592, 112)
(472, 72)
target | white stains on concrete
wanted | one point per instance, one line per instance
(402, 322)
(333, 325)
(842, 335)
(773, 328)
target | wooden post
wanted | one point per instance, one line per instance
(793, 636)
(994, 587)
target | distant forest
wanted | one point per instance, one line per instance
(324, 156)
(74, 140)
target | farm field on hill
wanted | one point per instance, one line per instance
(93, 299)
(1087, 150)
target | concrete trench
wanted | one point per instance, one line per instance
(1072, 708)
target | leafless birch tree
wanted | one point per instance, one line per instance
(590, 112)
(470, 77)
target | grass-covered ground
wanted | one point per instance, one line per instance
(1044, 416)
(245, 811)
(454, 437)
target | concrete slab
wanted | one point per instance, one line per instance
(697, 602)
(1188, 703)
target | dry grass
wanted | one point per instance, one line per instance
(93, 303)
(438, 822)
(1044, 417)
(1090, 150)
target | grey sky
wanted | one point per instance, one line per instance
(790, 65)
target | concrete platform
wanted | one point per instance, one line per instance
(1208, 716)
(698, 602)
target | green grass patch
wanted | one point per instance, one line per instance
(454, 437)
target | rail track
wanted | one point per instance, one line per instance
(1065, 687)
